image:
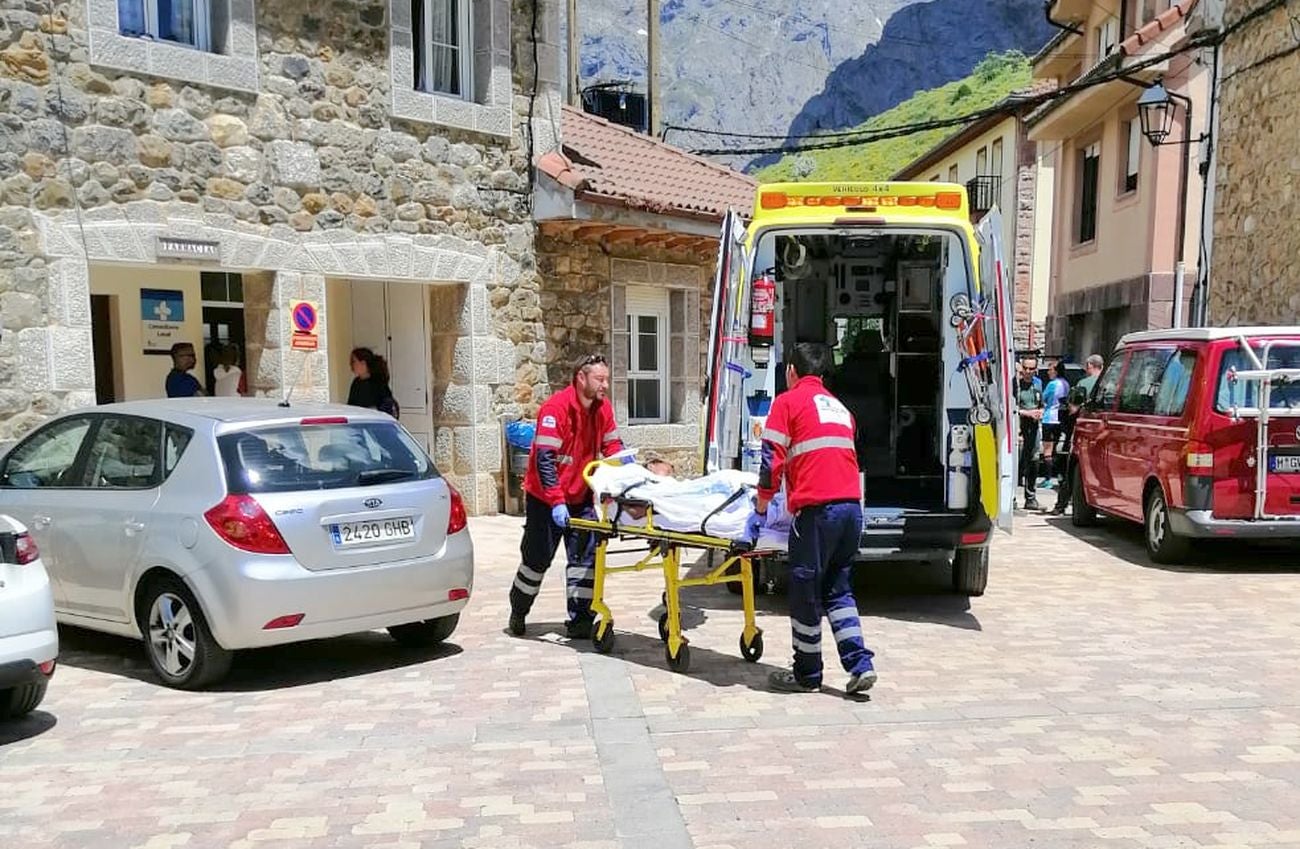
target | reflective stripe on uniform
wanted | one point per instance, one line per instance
(847, 632)
(818, 444)
(813, 632)
(530, 573)
(806, 647)
(525, 587)
(582, 592)
(839, 614)
(549, 441)
(776, 437)
(579, 573)
(611, 436)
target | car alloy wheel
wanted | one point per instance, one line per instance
(172, 634)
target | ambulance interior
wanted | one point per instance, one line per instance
(877, 296)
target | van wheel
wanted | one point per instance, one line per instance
(1082, 514)
(1163, 544)
(970, 571)
(181, 648)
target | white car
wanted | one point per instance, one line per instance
(29, 638)
(208, 525)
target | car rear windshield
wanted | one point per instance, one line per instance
(1242, 393)
(289, 458)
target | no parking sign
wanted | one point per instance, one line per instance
(304, 317)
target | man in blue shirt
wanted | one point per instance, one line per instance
(180, 383)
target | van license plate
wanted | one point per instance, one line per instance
(353, 534)
(1284, 463)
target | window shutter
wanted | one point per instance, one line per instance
(643, 300)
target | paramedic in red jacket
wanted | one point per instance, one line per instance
(808, 443)
(574, 426)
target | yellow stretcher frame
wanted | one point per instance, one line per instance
(665, 554)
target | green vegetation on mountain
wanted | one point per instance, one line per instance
(997, 76)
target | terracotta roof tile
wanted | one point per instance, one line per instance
(1156, 27)
(604, 162)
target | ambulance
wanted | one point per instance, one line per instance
(916, 305)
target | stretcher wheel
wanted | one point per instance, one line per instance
(663, 627)
(603, 640)
(754, 650)
(681, 663)
(982, 415)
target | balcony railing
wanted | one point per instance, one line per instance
(984, 192)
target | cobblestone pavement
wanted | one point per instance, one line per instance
(1090, 699)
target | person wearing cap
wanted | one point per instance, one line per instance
(809, 444)
(574, 426)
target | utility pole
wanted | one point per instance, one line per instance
(575, 93)
(654, 116)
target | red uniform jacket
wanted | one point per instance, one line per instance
(809, 442)
(568, 438)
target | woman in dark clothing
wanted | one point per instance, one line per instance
(370, 382)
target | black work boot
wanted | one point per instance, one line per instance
(578, 629)
(517, 623)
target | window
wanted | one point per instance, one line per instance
(1086, 201)
(1175, 384)
(1103, 395)
(220, 287)
(1107, 37)
(124, 454)
(1141, 384)
(995, 160)
(982, 162)
(953, 174)
(47, 458)
(934, 179)
(1243, 393)
(186, 22)
(1131, 140)
(443, 47)
(647, 369)
(177, 440)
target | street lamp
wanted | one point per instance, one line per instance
(1156, 109)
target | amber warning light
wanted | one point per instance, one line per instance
(937, 200)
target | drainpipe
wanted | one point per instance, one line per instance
(1209, 169)
(1047, 12)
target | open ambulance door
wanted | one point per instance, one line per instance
(995, 290)
(728, 339)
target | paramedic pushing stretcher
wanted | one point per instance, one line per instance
(809, 443)
(574, 426)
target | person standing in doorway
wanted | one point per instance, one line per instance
(574, 426)
(1074, 404)
(1029, 403)
(808, 444)
(1054, 398)
(227, 377)
(180, 383)
(370, 382)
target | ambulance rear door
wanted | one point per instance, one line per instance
(728, 349)
(995, 290)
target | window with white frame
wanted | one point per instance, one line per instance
(647, 356)
(1131, 139)
(995, 160)
(1107, 37)
(443, 45)
(187, 22)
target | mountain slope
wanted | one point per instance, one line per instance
(993, 79)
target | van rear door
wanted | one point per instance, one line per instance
(995, 288)
(728, 343)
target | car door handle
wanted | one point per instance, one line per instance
(41, 521)
(133, 528)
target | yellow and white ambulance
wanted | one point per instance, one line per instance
(916, 303)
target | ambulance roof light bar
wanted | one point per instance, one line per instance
(943, 200)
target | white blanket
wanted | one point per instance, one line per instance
(697, 505)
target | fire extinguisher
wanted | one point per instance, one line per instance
(762, 311)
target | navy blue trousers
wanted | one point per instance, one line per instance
(537, 549)
(823, 544)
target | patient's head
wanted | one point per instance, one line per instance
(657, 465)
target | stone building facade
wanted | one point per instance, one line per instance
(292, 152)
(1255, 270)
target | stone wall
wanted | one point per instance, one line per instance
(1254, 276)
(300, 171)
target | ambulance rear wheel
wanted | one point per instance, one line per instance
(753, 650)
(682, 662)
(970, 571)
(603, 640)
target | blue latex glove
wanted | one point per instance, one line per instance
(560, 515)
(626, 456)
(754, 526)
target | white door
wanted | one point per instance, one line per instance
(995, 279)
(728, 349)
(408, 355)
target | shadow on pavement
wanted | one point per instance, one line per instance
(32, 725)
(1123, 540)
(253, 670)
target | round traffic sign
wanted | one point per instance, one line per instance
(304, 318)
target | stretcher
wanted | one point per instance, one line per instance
(665, 554)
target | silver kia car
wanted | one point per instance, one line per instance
(207, 525)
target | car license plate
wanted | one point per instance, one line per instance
(1284, 463)
(375, 532)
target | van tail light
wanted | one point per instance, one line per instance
(25, 550)
(1200, 458)
(974, 537)
(458, 518)
(241, 522)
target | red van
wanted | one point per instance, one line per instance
(1174, 435)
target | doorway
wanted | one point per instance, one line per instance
(392, 319)
(102, 310)
(223, 322)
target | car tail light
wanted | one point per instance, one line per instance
(25, 550)
(458, 594)
(290, 621)
(1200, 458)
(47, 668)
(458, 519)
(241, 521)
